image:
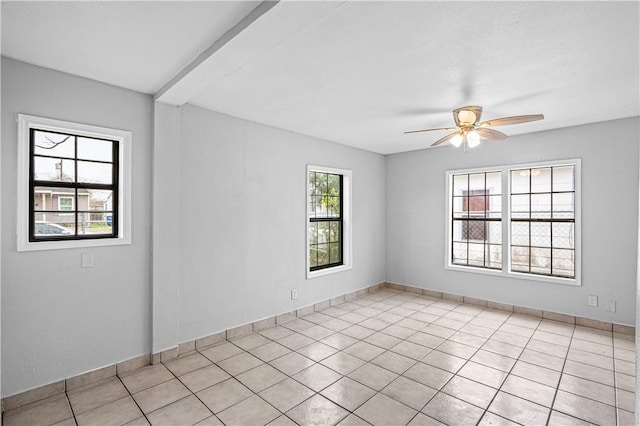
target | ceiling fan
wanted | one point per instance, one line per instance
(469, 129)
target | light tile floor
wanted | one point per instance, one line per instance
(387, 358)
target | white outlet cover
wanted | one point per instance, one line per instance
(611, 306)
(86, 260)
(592, 300)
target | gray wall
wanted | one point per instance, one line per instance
(59, 320)
(242, 198)
(416, 223)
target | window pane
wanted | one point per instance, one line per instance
(520, 181)
(494, 256)
(494, 183)
(54, 169)
(323, 254)
(54, 224)
(476, 230)
(53, 144)
(100, 204)
(520, 206)
(495, 232)
(313, 233)
(334, 206)
(460, 184)
(333, 185)
(323, 232)
(334, 232)
(541, 234)
(476, 202)
(459, 230)
(495, 206)
(459, 253)
(520, 259)
(541, 206)
(90, 223)
(313, 256)
(476, 254)
(541, 180)
(564, 263)
(564, 205)
(476, 181)
(520, 233)
(460, 206)
(313, 176)
(334, 253)
(563, 235)
(321, 183)
(94, 172)
(563, 178)
(95, 149)
(541, 260)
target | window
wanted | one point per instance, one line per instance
(73, 185)
(542, 207)
(477, 220)
(65, 203)
(328, 227)
(543, 221)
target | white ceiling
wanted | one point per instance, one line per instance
(138, 45)
(357, 73)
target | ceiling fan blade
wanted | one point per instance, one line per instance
(431, 130)
(491, 134)
(444, 139)
(517, 119)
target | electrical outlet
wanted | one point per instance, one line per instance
(592, 300)
(611, 306)
(86, 260)
(294, 293)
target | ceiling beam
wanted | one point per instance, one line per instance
(170, 93)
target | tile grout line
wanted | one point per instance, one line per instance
(615, 388)
(190, 391)
(134, 400)
(557, 387)
(465, 363)
(73, 413)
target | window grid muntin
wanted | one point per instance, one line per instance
(467, 218)
(33, 183)
(551, 220)
(314, 218)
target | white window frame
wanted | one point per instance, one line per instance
(66, 197)
(346, 221)
(506, 228)
(123, 138)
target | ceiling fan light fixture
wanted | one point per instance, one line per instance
(466, 117)
(456, 140)
(473, 139)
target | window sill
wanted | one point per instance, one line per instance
(327, 271)
(516, 275)
(71, 244)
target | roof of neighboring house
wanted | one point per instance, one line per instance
(60, 191)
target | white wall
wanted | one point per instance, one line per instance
(242, 198)
(59, 320)
(416, 219)
(166, 225)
